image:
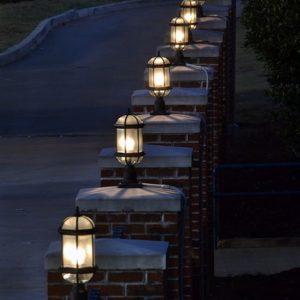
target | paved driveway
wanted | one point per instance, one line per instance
(78, 81)
(82, 76)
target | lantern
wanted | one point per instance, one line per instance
(159, 83)
(188, 12)
(129, 140)
(179, 38)
(78, 252)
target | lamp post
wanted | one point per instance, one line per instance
(78, 253)
(179, 38)
(129, 140)
(159, 83)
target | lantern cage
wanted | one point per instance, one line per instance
(179, 38)
(129, 146)
(159, 82)
(78, 252)
(188, 11)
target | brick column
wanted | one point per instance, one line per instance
(161, 165)
(181, 130)
(227, 104)
(192, 100)
(220, 24)
(229, 41)
(154, 212)
(127, 270)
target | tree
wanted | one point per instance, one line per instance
(272, 30)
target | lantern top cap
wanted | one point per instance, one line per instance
(158, 61)
(129, 121)
(189, 3)
(178, 21)
(77, 222)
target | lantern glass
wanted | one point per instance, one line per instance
(129, 140)
(188, 12)
(159, 82)
(78, 249)
(179, 33)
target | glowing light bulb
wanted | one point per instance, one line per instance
(188, 17)
(159, 79)
(76, 256)
(179, 37)
(127, 144)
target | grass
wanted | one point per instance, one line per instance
(17, 20)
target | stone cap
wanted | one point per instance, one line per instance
(149, 198)
(211, 36)
(117, 254)
(211, 10)
(156, 157)
(193, 50)
(212, 22)
(172, 123)
(177, 96)
(188, 73)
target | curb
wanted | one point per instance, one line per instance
(44, 27)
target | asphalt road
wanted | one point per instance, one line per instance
(77, 82)
(80, 79)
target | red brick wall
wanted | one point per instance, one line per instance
(159, 226)
(115, 284)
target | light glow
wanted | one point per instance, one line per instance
(188, 17)
(159, 79)
(76, 256)
(126, 145)
(179, 36)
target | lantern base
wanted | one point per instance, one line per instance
(130, 178)
(79, 292)
(179, 58)
(159, 107)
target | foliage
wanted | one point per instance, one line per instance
(272, 30)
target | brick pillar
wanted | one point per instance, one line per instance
(220, 7)
(227, 107)
(127, 270)
(205, 53)
(220, 24)
(181, 130)
(191, 100)
(161, 165)
(153, 212)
